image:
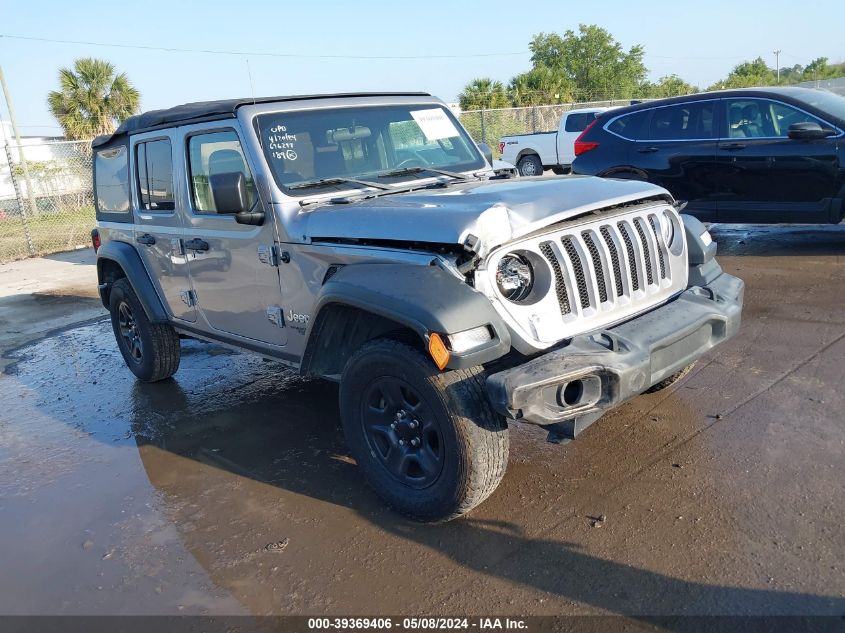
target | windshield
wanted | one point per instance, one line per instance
(363, 143)
(826, 102)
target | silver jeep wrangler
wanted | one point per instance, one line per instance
(364, 238)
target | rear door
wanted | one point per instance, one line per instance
(764, 175)
(678, 152)
(235, 280)
(158, 221)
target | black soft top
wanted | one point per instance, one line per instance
(222, 109)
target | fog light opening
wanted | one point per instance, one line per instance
(572, 392)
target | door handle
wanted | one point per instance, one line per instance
(732, 145)
(196, 244)
(146, 238)
(647, 150)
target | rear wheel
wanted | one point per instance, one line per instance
(427, 441)
(530, 166)
(151, 350)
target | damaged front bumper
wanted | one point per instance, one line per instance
(570, 388)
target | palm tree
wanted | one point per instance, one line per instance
(93, 99)
(483, 94)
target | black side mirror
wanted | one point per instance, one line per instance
(231, 198)
(809, 130)
(486, 152)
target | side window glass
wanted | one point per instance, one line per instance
(783, 116)
(215, 153)
(685, 121)
(631, 126)
(750, 118)
(155, 175)
(111, 167)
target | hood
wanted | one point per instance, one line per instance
(495, 211)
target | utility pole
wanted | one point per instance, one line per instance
(30, 192)
(777, 64)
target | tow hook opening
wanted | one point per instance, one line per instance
(579, 392)
(572, 392)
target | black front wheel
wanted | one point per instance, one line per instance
(151, 350)
(427, 441)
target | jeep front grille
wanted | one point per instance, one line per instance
(600, 271)
(593, 254)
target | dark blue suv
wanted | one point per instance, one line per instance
(752, 155)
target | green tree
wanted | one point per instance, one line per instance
(666, 86)
(819, 68)
(92, 99)
(539, 86)
(748, 74)
(483, 94)
(592, 61)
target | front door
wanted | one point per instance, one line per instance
(158, 223)
(235, 287)
(764, 175)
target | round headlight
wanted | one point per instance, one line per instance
(515, 277)
(667, 226)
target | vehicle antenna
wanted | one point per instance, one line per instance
(251, 87)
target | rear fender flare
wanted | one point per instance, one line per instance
(129, 261)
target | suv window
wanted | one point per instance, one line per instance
(761, 118)
(215, 153)
(579, 121)
(155, 175)
(685, 121)
(111, 167)
(630, 126)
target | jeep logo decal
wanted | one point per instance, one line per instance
(293, 317)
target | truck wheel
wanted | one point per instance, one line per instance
(427, 441)
(530, 166)
(671, 380)
(151, 350)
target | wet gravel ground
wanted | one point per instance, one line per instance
(229, 490)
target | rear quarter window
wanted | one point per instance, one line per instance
(631, 126)
(579, 121)
(111, 182)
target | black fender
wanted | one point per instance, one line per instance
(423, 299)
(129, 261)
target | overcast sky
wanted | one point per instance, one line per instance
(699, 41)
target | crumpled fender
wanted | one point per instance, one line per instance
(424, 299)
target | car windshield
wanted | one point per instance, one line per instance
(329, 149)
(826, 102)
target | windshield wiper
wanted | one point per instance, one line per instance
(325, 182)
(407, 171)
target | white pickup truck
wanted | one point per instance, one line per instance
(532, 153)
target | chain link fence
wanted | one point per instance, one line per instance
(46, 198)
(488, 126)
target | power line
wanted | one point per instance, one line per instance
(170, 49)
(253, 53)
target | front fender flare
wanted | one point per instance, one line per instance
(125, 256)
(424, 299)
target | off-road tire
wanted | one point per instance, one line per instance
(160, 350)
(671, 380)
(474, 437)
(532, 164)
